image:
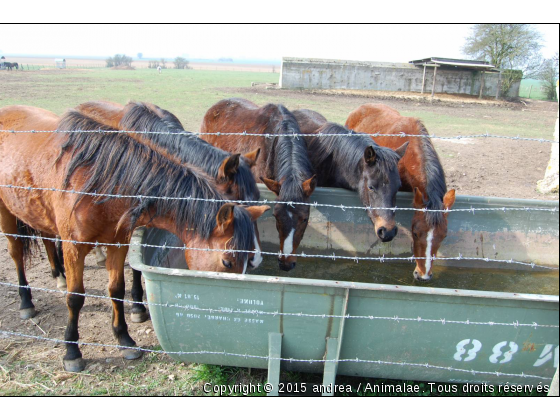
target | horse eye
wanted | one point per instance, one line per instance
(371, 188)
(227, 264)
(415, 235)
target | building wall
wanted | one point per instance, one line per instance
(305, 73)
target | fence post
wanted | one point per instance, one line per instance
(549, 184)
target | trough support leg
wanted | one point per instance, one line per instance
(274, 353)
(331, 366)
(332, 354)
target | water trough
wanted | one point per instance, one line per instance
(477, 321)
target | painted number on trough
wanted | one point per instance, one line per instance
(501, 353)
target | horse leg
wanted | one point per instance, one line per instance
(115, 267)
(100, 257)
(74, 256)
(139, 313)
(8, 224)
(57, 266)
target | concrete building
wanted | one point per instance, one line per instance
(437, 75)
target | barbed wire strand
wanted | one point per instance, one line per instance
(290, 203)
(282, 359)
(255, 312)
(333, 256)
(265, 135)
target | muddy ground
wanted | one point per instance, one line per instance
(502, 168)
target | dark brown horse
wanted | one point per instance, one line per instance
(232, 173)
(283, 164)
(344, 159)
(90, 160)
(421, 172)
(10, 66)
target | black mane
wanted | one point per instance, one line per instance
(290, 159)
(435, 179)
(117, 164)
(186, 146)
(344, 154)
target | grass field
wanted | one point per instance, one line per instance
(532, 89)
(188, 94)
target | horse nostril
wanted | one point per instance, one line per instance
(381, 232)
(293, 265)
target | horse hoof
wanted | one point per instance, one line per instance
(131, 354)
(61, 284)
(76, 365)
(27, 313)
(139, 317)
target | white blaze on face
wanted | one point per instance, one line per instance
(245, 267)
(289, 243)
(429, 240)
(257, 259)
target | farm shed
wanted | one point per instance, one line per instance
(60, 63)
(452, 76)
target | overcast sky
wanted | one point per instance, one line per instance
(373, 42)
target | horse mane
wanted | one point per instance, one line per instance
(347, 151)
(291, 161)
(436, 186)
(185, 146)
(116, 163)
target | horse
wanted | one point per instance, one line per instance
(283, 164)
(10, 66)
(90, 160)
(232, 173)
(421, 173)
(344, 159)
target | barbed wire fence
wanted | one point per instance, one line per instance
(390, 318)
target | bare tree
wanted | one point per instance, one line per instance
(181, 63)
(514, 48)
(548, 74)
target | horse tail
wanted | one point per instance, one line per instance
(30, 244)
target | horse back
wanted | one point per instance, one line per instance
(105, 112)
(309, 121)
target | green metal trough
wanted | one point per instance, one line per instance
(476, 321)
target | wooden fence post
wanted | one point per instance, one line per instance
(549, 184)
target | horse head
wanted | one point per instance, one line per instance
(429, 229)
(291, 219)
(380, 182)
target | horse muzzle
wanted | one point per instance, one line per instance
(385, 234)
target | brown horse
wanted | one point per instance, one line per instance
(344, 159)
(421, 172)
(283, 165)
(232, 174)
(89, 161)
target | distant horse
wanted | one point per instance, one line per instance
(421, 172)
(344, 159)
(283, 165)
(10, 66)
(89, 160)
(232, 174)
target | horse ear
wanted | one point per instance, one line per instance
(228, 168)
(401, 150)
(271, 185)
(224, 218)
(369, 156)
(256, 211)
(449, 199)
(418, 199)
(251, 158)
(309, 185)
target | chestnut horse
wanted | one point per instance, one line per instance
(344, 159)
(421, 172)
(89, 161)
(232, 174)
(283, 165)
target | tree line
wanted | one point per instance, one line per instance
(122, 59)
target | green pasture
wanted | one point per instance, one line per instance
(189, 93)
(532, 89)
